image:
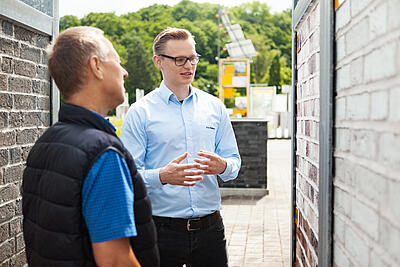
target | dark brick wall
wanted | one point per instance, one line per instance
(251, 137)
(24, 115)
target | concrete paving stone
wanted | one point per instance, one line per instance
(258, 230)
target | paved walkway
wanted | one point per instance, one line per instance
(258, 229)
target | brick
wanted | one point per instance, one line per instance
(20, 243)
(7, 211)
(340, 48)
(7, 249)
(379, 105)
(390, 238)
(340, 109)
(369, 184)
(340, 258)
(7, 46)
(30, 53)
(358, 248)
(383, 56)
(356, 71)
(13, 174)
(24, 35)
(15, 155)
(18, 260)
(358, 6)
(4, 232)
(7, 65)
(3, 83)
(27, 136)
(25, 68)
(358, 107)
(20, 85)
(391, 200)
(44, 58)
(42, 73)
(16, 119)
(357, 37)
(6, 101)
(342, 15)
(7, 28)
(389, 147)
(363, 144)
(394, 107)
(343, 78)
(393, 16)
(342, 139)
(342, 202)
(359, 214)
(7, 138)
(3, 119)
(42, 41)
(26, 102)
(339, 227)
(25, 151)
(377, 20)
(8, 192)
(3, 157)
(41, 87)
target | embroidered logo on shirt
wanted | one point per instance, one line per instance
(209, 127)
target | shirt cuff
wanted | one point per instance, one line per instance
(153, 178)
(225, 175)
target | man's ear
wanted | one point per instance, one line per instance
(157, 61)
(96, 67)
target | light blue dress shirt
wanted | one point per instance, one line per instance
(159, 128)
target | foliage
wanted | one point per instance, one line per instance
(132, 35)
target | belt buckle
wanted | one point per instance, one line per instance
(188, 224)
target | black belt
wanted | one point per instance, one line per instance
(194, 224)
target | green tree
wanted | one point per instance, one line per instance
(275, 72)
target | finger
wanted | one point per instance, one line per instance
(197, 172)
(188, 166)
(180, 158)
(202, 161)
(193, 178)
(208, 155)
(188, 183)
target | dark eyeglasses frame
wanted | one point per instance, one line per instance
(196, 59)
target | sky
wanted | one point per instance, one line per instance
(80, 8)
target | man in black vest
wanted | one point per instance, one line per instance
(84, 203)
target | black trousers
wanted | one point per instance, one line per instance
(201, 248)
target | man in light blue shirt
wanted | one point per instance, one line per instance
(181, 138)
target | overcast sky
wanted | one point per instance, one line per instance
(81, 8)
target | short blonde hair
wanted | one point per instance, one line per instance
(169, 34)
(69, 56)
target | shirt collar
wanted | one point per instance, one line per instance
(167, 95)
(105, 120)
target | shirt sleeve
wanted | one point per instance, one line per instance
(107, 199)
(134, 138)
(226, 147)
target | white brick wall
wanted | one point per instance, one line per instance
(367, 134)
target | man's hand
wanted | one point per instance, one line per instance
(213, 164)
(180, 174)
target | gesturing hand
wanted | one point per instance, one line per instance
(180, 174)
(213, 164)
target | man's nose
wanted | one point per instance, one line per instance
(125, 73)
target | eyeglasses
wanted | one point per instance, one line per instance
(180, 61)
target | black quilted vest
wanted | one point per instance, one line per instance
(54, 229)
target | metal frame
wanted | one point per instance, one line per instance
(55, 93)
(325, 205)
(299, 9)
